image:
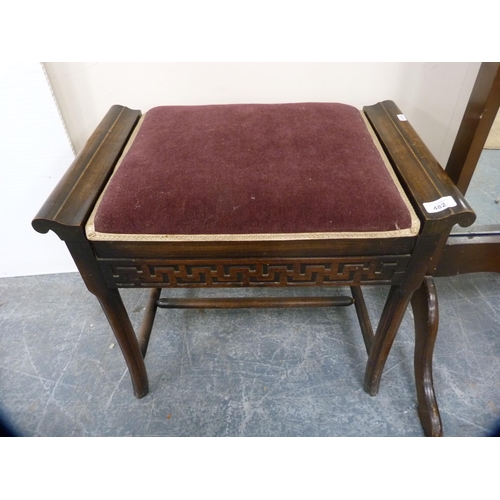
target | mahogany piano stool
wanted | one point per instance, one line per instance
(261, 195)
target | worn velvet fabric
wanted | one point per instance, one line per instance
(252, 169)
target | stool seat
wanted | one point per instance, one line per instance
(253, 171)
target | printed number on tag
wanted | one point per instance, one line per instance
(443, 203)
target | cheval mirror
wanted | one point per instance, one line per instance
(473, 166)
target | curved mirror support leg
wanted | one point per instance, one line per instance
(425, 311)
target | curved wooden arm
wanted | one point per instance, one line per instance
(70, 203)
(419, 172)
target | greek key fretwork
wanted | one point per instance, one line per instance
(253, 272)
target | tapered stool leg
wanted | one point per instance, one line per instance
(112, 305)
(119, 320)
(425, 311)
(392, 315)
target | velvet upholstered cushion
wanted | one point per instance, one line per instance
(252, 171)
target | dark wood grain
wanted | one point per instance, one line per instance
(420, 173)
(363, 317)
(119, 321)
(254, 302)
(251, 272)
(148, 320)
(253, 249)
(470, 254)
(478, 251)
(72, 200)
(426, 316)
(478, 118)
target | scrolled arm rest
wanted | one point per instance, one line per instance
(424, 180)
(70, 203)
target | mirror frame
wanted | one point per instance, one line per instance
(477, 250)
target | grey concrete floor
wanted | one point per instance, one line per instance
(292, 372)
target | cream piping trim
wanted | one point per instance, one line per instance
(94, 235)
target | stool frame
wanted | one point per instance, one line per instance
(405, 264)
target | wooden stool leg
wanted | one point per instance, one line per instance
(392, 315)
(425, 311)
(119, 320)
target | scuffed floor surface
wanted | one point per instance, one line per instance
(268, 372)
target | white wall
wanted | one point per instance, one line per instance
(34, 154)
(432, 95)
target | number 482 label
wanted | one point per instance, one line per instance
(443, 203)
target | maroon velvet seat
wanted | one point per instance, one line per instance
(306, 194)
(253, 171)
